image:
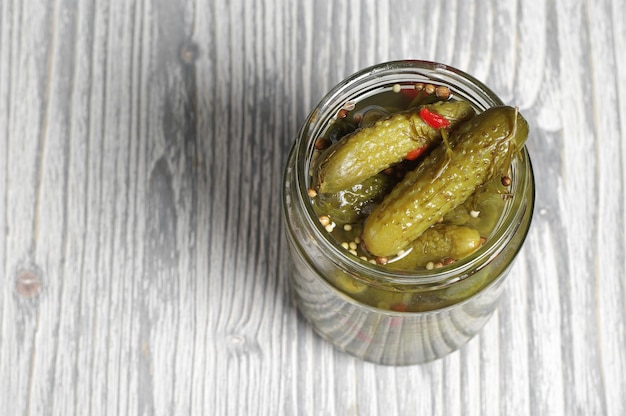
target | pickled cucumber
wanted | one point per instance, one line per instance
(478, 150)
(370, 150)
(487, 207)
(353, 204)
(439, 243)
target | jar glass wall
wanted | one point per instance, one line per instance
(350, 302)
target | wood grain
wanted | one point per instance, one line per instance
(141, 153)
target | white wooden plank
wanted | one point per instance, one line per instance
(91, 346)
(54, 347)
(545, 378)
(610, 290)
(21, 323)
(504, 72)
(579, 177)
(532, 46)
(470, 378)
(67, 372)
(514, 341)
(489, 390)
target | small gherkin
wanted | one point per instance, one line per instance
(477, 151)
(370, 150)
(439, 242)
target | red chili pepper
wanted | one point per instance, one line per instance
(399, 307)
(434, 120)
(415, 153)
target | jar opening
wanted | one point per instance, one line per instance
(371, 82)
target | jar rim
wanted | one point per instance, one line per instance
(380, 76)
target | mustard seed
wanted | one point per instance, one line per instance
(343, 113)
(382, 260)
(321, 143)
(349, 105)
(442, 92)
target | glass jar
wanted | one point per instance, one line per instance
(350, 302)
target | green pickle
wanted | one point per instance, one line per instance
(442, 243)
(372, 149)
(440, 210)
(353, 204)
(477, 152)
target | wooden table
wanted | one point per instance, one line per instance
(143, 267)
